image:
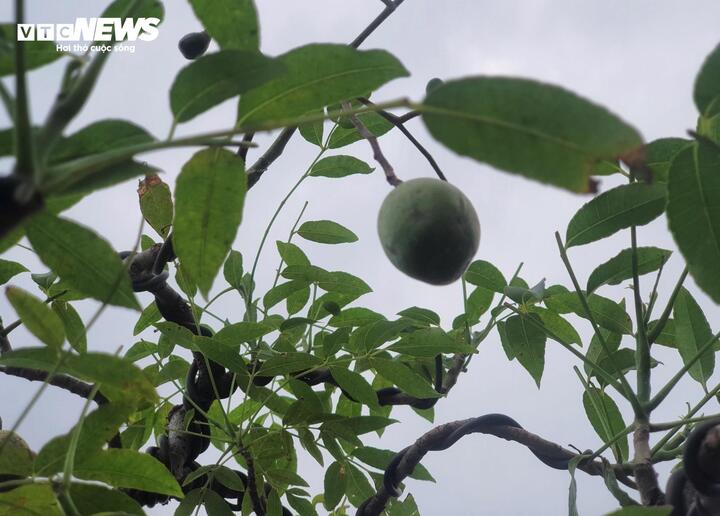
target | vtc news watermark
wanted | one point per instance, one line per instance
(92, 34)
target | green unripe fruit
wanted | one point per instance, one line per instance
(16, 458)
(429, 230)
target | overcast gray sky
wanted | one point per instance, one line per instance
(637, 58)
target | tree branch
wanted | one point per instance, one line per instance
(375, 145)
(63, 381)
(276, 149)
(645, 475)
(399, 121)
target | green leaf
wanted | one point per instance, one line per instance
(368, 337)
(572, 491)
(478, 302)
(233, 270)
(149, 316)
(619, 363)
(607, 313)
(605, 417)
(224, 355)
(667, 335)
(660, 153)
(282, 291)
(375, 123)
(105, 177)
(140, 350)
(37, 53)
(404, 377)
(692, 332)
(356, 316)
(16, 457)
(357, 425)
(74, 327)
(318, 75)
(537, 130)
(209, 197)
(326, 232)
(37, 317)
(9, 269)
(428, 343)
(129, 469)
(358, 487)
(527, 342)
(596, 351)
(189, 504)
(232, 23)
(156, 204)
(707, 83)
(175, 333)
(340, 166)
(81, 258)
(619, 208)
(297, 300)
(694, 215)
(94, 499)
(292, 254)
(313, 131)
(334, 485)
(97, 428)
(30, 500)
(619, 268)
(215, 505)
(99, 137)
(557, 325)
(407, 507)
(284, 477)
(343, 283)
(355, 385)
(215, 78)
(485, 274)
(422, 315)
(286, 363)
(119, 379)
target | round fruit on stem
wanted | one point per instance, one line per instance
(16, 458)
(429, 230)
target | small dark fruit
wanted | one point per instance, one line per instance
(194, 45)
(433, 84)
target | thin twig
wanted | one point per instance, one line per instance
(398, 122)
(658, 328)
(638, 409)
(276, 149)
(375, 145)
(642, 350)
(243, 150)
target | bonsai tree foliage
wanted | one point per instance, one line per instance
(303, 367)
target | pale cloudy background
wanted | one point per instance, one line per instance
(638, 58)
